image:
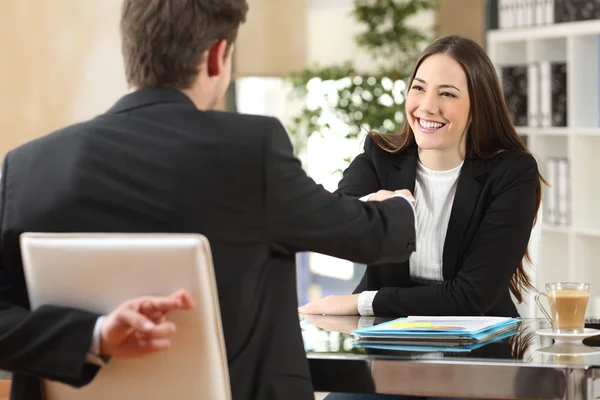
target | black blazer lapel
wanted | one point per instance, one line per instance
(405, 172)
(465, 200)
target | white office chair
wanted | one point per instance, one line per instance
(97, 272)
(528, 308)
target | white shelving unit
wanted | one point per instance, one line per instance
(573, 252)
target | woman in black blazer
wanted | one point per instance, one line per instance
(477, 191)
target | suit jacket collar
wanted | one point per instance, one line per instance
(147, 97)
(466, 198)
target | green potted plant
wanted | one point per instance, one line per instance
(363, 101)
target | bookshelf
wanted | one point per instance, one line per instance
(568, 252)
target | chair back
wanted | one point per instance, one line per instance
(97, 272)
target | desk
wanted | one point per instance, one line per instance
(524, 366)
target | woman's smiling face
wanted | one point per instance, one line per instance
(438, 105)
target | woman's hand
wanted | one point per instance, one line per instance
(332, 305)
(333, 323)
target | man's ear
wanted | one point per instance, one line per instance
(216, 57)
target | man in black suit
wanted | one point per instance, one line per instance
(159, 161)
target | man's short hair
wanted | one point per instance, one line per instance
(164, 41)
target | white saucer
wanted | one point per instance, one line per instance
(569, 349)
(568, 337)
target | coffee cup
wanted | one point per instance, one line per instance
(568, 302)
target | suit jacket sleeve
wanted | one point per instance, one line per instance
(360, 178)
(489, 263)
(304, 215)
(50, 342)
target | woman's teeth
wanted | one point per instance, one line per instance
(430, 125)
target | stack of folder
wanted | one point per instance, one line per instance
(436, 333)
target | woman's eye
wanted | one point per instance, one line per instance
(448, 94)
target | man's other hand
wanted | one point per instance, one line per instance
(139, 326)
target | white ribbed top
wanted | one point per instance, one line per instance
(434, 196)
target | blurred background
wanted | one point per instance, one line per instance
(333, 69)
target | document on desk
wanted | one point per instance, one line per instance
(439, 329)
(430, 346)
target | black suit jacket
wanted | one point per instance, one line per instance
(154, 163)
(488, 232)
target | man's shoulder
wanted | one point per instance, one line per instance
(226, 123)
(249, 121)
(52, 140)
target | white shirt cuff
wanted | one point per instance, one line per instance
(93, 355)
(367, 197)
(365, 302)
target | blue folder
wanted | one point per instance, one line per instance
(431, 348)
(449, 331)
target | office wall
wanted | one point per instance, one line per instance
(462, 17)
(283, 36)
(61, 63)
(272, 42)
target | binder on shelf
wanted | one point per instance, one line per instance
(540, 15)
(513, 13)
(549, 12)
(507, 14)
(501, 14)
(564, 198)
(530, 12)
(522, 13)
(493, 15)
(551, 198)
(527, 13)
(565, 11)
(533, 95)
(545, 94)
(576, 10)
(514, 86)
(553, 93)
(536, 93)
(558, 195)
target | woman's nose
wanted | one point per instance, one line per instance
(428, 105)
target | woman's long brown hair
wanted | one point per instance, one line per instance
(491, 130)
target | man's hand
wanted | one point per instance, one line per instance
(139, 326)
(332, 305)
(382, 195)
